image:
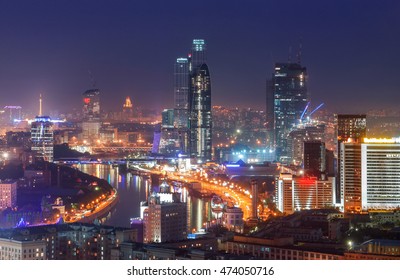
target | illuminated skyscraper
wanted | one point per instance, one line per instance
(91, 104)
(200, 122)
(200, 114)
(287, 98)
(42, 138)
(370, 174)
(127, 109)
(349, 128)
(181, 89)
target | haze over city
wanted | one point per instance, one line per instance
(350, 49)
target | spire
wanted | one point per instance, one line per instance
(299, 52)
(40, 105)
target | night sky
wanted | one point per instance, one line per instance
(350, 48)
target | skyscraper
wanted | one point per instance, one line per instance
(288, 91)
(200, 122)
(181, 91)
(42, 138)
(314, 162)
(91, 104)
(192, 94)
(200, 114)
(369, 174)
(349, 128)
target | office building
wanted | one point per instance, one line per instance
(181, 90)
(287, 98)
(91, 104)
(314, 162)
(370, 175)
(350, 176)
(303, 193)
(349, 128)
(42, 138)
(297, 137)
(8, 194)
(200, 122)
(164, 218)
(380, 174)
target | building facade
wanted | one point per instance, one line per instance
(287, 91)
(370, 174)
(164, 219)
(42, 137)
(8, 194)
(380, 174)
(349, 128)
(298, 193)
(200, 114)
(91, 104)
(22, 249)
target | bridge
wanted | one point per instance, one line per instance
(119, 149)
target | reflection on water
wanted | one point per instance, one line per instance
(133, 189)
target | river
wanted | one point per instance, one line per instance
(133, 189)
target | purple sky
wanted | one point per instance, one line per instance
(350, 48)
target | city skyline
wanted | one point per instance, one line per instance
(349, 49)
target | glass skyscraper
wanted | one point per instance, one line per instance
(287, 99)
(192, 93)
(181, 90)
(42, 138)
(200, 121)
(200, 114)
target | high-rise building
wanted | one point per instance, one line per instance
(127, 109)
(181, 90)
(198, 54)
(349, 128)
(297, 137)
(200, 123)
(200, 114)
(164, 219)
(192, 93)
(8, 194)
(169, 141)
(91, 104)
(314, 162)
(42, 138)
(167, 116)
(370, 176)
(287, 91)
(298, 193)
(350, 176)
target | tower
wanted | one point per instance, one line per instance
(287, 98)
(349, 128)
(200, 121)
(91, 104)
(200, 114)
(42, 135)
(127, 109)
(181, 92)
(42, 138)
